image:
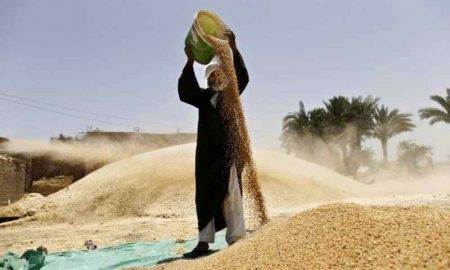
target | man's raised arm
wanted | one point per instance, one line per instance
(189, 90)
(239, 65)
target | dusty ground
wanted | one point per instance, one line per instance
(67, 236)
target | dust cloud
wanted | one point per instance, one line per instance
(98, 151)
(332, 151)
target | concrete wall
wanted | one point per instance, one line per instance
(12, 179)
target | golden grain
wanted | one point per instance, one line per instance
(238, 143)
(341, 236)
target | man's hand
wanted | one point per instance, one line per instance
(231, 38)
(188, 52)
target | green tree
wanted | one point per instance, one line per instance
(338, 110)
(350, 121)
(306, 133)
(387, 124)
(361, 117)
(295, 125)
(436, 114)
(342, 126)
(411, 154)
(318, 123)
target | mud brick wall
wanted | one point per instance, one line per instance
(12, 179)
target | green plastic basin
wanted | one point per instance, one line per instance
(205, 23)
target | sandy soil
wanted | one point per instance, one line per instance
(71, 236)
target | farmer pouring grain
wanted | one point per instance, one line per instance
(218, 192)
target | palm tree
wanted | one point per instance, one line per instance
(435, 114)
(294, 126)
(306, 134)
(411, 154)
(350, 120)
(318, 124)
(361, 117)
(388, 124)
(338, 109)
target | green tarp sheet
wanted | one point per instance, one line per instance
(12, 261)
(30, 260)
(125, 255)
(115, 257)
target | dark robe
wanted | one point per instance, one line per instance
(212, 169)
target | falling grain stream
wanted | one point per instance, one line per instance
(238, 144)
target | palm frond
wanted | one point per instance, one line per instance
(444, 102)
(390, 123)
(436, 114)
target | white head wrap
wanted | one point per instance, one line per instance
(210, 69)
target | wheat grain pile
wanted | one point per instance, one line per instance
(151, 197)
(161, 183)
(342, 236)
(238, 144)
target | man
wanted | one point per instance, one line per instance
(218, 192)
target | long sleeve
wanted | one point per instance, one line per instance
(241, 71)
(189, 90)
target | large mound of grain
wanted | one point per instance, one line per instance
(342, 236)
(161, 183)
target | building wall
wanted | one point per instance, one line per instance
(12, 179)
